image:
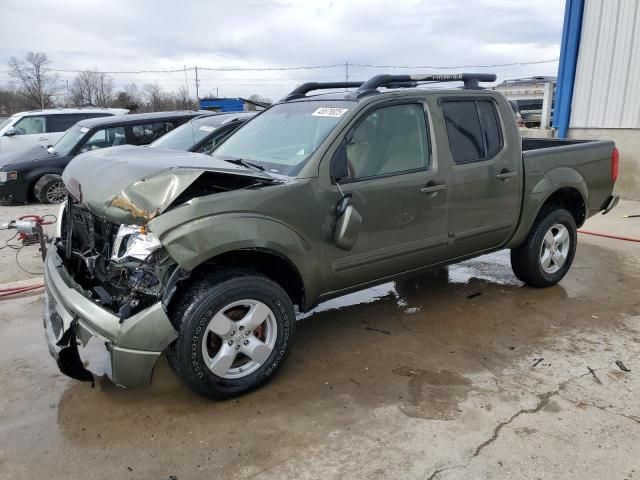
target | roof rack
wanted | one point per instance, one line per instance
(301, 90)
(470, 80)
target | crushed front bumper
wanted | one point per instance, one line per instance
(133, 344)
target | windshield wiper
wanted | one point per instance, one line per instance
(245, 163)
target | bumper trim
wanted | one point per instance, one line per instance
(610, 203)
(134, 344)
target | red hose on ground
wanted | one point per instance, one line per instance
(5, 292)
(606, 235)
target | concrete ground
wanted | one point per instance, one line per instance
(460, 373)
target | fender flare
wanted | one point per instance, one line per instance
(195, 242)
(533, 201)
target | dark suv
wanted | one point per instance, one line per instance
(36, 172)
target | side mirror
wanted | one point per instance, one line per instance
(340, 164)
(11, 131)
(347, 227)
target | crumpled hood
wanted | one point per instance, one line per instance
(29, 154)
(129, 184)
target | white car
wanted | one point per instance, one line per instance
(45, 127)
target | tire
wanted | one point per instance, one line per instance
(50, 189)
(230, 293)
(543, 262)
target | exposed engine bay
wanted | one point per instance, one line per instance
(118, 266)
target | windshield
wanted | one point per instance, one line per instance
(4, 122)
(186, 136)
(283, 138)
(69, 140)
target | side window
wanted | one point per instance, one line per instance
(490, 127)
(473, 130)
(30, 126)
(60, 123)
(463, 130)
(389, 140)
(220, 137)
(105, 137)
(148, 132)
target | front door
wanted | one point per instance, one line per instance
(395, 188)
(29, 131)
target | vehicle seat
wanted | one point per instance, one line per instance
(405, 150)
(359, 150)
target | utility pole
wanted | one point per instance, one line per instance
(68, 97)
(346, 73)
(197, 89)
(217, 92)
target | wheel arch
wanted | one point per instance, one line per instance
(561, 188)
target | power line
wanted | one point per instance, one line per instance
(451, 67)
(304, 67)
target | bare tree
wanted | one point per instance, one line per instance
(36, 83)
(154, 95)
(92, 88)
(182, 99)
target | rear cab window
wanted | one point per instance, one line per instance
(473, 129)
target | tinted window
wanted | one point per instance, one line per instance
(105, 137)
(490, 127)
(464, 132)
(30, 126)
(60, 123)
(389, 140)
(148, 132)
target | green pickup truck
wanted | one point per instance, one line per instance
(210, 258)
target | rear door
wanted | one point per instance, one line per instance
(485, 174)
(59, 123)
(397, 190)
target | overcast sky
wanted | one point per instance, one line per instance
(118, 35)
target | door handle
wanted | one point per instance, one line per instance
(43, 138)
(505, 174)
(434, 188)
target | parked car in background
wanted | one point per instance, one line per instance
(34, 173)
(516, 112)
(203, 134)
(45, 127)
(204, 257)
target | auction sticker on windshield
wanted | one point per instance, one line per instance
(329, 112)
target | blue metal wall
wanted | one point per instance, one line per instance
(222, 104)
(567, 69)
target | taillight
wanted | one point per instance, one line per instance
(615, 159)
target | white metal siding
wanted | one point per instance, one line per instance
(606, 91)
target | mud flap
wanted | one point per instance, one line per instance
(68, 358)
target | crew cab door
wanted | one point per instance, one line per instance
(398, 221)
(484, 173)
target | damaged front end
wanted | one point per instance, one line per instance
(120, 266)
(107, 275)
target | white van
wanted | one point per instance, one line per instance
(45, 127)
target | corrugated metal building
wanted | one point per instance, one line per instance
(598, 93)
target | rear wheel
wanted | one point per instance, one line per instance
(235, 330)
(50, 189)
(547, 253)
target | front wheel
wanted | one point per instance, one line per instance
(235, 330)
(547, 254)
(50, 189)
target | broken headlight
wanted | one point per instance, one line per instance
(134, 242)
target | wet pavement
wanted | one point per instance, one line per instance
(459, 373)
